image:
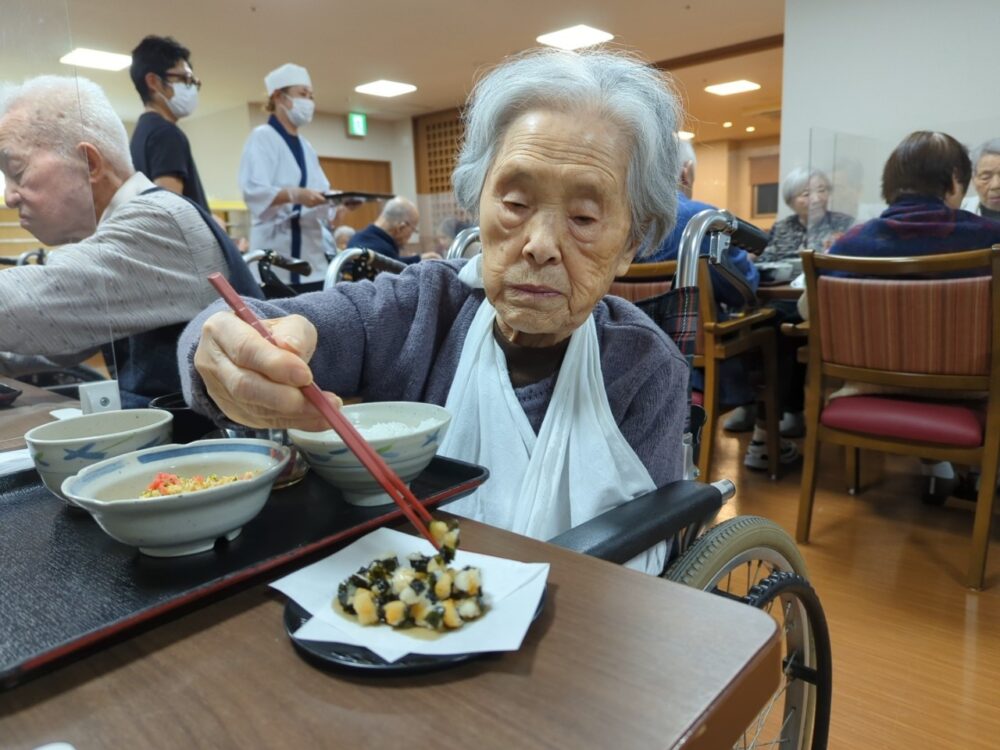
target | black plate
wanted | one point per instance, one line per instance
(358, 658)
(354, 196)
(8, 394)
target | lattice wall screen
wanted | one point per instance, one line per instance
(437, 139)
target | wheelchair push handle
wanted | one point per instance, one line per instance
(294, 265)
(748, 237)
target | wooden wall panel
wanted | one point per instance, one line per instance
(437, 138)
(366, 175)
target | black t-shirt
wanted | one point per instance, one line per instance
(160, 149)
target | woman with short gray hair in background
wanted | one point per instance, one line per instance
(574, 400)
(811, 224)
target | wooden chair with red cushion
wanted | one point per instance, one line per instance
(922, 323)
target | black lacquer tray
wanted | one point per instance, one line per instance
(65, 585)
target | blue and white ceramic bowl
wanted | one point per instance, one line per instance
(405, 433)
(188, 522)
(61, 449)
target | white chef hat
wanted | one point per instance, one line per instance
(288, 74)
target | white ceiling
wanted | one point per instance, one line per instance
(438, 45)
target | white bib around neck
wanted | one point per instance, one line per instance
(577, 467)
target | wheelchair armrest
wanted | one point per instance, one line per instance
(623, 532)
(732, 325)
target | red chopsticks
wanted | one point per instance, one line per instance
(395, 487)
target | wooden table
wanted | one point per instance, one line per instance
(30, 409)
(617, 660)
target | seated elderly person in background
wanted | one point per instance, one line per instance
(735, 390)
(390, 232)
(986, 180)
(447, 230)
(342, 237)
(811, 226)
(924, 182)
(575, 401)
(133, 257)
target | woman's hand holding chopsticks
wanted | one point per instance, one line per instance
(255, 382)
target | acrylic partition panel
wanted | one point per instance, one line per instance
(441, 218)
(53, 307)
(853, 164)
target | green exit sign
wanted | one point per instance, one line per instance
(357, 124)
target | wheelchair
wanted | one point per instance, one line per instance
(748, 559)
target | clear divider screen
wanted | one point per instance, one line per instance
(102, 267)
(57, 142)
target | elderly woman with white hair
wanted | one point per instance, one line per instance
(986, 180)
(811, 225)
(575, 401)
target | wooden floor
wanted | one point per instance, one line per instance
(916, 654)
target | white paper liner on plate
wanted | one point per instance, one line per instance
(512, 590)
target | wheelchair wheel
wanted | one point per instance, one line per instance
(753, 560)
(743, 550)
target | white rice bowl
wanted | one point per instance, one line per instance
(406, 434)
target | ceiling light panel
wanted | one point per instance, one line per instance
(732, 87)
(685, 135)
(385, 88)
(575, 37)
(82, 57)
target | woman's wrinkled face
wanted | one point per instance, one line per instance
(554, 222)
(812, 200)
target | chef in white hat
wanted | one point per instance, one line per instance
(281, 178)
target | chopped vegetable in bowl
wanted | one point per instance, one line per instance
(171, 484)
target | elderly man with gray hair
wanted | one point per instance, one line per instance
(986, 180)
(391, 231)
(576, 401)
(133, 257)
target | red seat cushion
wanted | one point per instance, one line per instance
(920, 421)
(697, 398)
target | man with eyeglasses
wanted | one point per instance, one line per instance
(161, 72)
(391, 231)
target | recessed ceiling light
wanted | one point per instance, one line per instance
(575, 37)
(385, 88)
(750, 128)
(727, 124)
(94, 58)
(684, 135)
(732, 87)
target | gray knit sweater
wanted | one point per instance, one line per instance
(399, 339)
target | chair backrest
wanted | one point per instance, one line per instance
(644, 280)
(905, 322)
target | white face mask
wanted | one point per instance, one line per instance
(184, 101)
(301, 111)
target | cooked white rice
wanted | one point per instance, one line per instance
(382, 430)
